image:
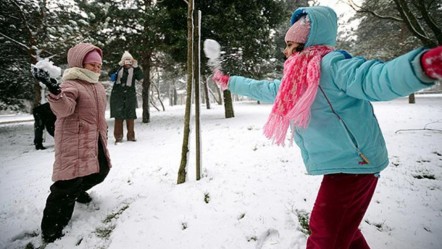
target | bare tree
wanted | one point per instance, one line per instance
(418, 17)
(182, 172)
(421, 19)
(196, 73)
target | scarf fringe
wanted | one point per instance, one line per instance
(276, 128)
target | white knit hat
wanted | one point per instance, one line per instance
(126, 56)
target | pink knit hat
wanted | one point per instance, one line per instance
(299, 31)
(92, 57)
(77, 54)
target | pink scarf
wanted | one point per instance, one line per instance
(296, 93)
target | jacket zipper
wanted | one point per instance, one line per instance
(352, 138)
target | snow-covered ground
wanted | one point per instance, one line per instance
(250, 194)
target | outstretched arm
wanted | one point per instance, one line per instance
(262, 90)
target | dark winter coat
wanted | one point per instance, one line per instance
(123, 100)
(44, 118)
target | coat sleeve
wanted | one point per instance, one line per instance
(376, 80)
(262, 90)
(64, 104)
(139, 73)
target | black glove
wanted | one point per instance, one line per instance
(43, 76)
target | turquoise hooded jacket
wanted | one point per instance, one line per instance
(343, 135)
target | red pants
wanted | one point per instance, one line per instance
(339, 208)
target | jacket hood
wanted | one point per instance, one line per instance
(323, 24)
(77, 53)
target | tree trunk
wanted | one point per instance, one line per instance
(146, 87)
(220, 96)
(158, 94)
(206, 94)
(196, 74)
(218, 99)
(175, 96)
(147, 64)
(33, 52)
(182, 173)
(37, 88)
(228, 104)
(411, 99)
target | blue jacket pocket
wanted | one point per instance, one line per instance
(113, 77)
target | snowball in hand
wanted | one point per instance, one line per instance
(46, 64)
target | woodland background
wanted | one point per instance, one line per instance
(155, 32)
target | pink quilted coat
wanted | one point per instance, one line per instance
(80, 110)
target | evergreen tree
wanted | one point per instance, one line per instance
(244, 28)
(126, 25)
(32, 30)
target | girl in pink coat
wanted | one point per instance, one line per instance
(81, 156)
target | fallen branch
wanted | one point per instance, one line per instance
(423, 129)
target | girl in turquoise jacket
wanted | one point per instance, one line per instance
(323, 100)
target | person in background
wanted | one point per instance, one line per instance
(81, 156)
(123, 100)
(324, 99)
(44, 118)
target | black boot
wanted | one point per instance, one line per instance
(39, 147)
(51, 237)
(84, 198)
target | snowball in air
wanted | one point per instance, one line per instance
(212, 49)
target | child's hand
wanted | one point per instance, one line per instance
(43, 76)
(431, 62)
(221, 79)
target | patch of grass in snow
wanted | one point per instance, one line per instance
(115, 215)
(424, 174)
(252, 238)
(105, 232)
(379, 226)
(303, 218)
(395, 164)
(206, 198)
(241, 216)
